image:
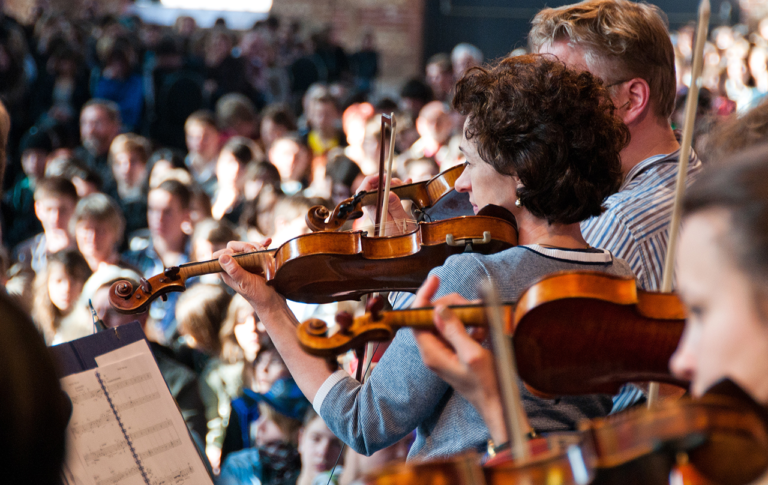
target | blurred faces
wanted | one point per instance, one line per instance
(96, 240)
(271, 131)
(97, 130)
(229, 171)
(319, 447)
(483, 183)
(440, 81)
(290, 158)
(54, 214)
(726, 333)
(269, 368)
(267, 431)
(33, 163)
(63, 290)
(202, 140)
(248, 332)
(323, 116)
(129, 169)
(165, 216)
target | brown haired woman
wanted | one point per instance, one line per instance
(541, 141)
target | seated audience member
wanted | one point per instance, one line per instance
(118, 81)
(236, 116)
(277, 121)
(98, 227)
(55, 201)
(128, 158)
(343, 177)
(99, 124)
(323, 119)
(292, 158)
(57, 288)
(241, 335)
(19, 202)
(419, 169)
(260, 175)
(353, 122)
(231, 169)
(167, 246)
(288, 218)
(200, 312)
(434, 126)
(463, 57)
(181, 380)
(203, 143)
(86, 180)
(269, 376)
(273, 461)
(439, 74)
(211, 235)
(33, 411)
(161, 162)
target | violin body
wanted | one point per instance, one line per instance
(434, 197)
(590, 332)
(332, 266)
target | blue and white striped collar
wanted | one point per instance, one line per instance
(575, 255)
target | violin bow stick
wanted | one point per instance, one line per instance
(691, 104)
(506, 371)
(382, 207)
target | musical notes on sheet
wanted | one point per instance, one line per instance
(126, 429)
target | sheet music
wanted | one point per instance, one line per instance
(98, 452)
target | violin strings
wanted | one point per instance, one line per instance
(344, 445)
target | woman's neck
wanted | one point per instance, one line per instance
(533, 230)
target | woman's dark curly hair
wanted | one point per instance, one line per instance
(553, 127)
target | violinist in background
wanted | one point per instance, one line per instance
(627, 45)
(541, 141)
(722, 275)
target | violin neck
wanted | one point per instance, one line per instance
(470, 315)
(258, 262)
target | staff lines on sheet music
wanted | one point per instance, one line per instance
(132, 403)
(84, 396)
(97, 423)
(150, 429)
(118, 477)
(159, 449)
(123, 383)
(106, 451)
(173, 476)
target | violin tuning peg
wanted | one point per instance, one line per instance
(374, 306)
(344, 320)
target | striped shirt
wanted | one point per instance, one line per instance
(635, 224)
(635, 227)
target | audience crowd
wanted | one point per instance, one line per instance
(135, 147)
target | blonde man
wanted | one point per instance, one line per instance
(627, 45)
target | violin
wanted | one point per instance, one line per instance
(435, 194)
(326, 267)
(720, 438)
(631, 333)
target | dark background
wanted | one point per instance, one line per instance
(499, 26)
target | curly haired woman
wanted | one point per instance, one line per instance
(541, 141)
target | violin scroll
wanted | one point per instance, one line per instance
(320, 219)
(315, 339)
(125, 297)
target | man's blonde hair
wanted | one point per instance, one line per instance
(629, 39)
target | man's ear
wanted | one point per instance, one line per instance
(37, 209)
(635, 100)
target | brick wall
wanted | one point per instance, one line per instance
(396, 24)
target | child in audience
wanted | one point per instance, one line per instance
(274, 460)
(98, 227)
(203, 143)
(57, 289)
(200, 312)
(268, 369)
(128, 156)
(55, 201)
(231, 168)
